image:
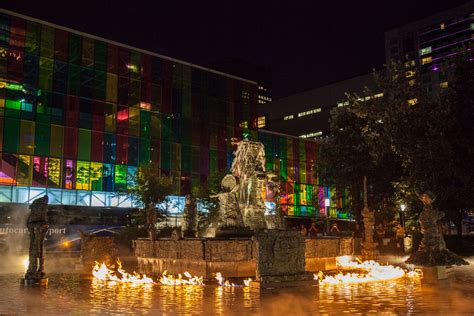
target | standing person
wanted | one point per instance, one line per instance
(335, 230)
(313, 231)
(399, 236)
(303, 230)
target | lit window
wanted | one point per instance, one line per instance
(244, 124)
(472, 26)
(443, 84)
(378, 95)
(442, 26)
(288, 117)
(426, 50)
(340, 104)
(261, 121)
(313, 111)
(426, 60)
(412, 101)
(313, 134)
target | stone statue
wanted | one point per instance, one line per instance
(229, 209)
(368, 245)
(432, 250)
(151, 219)
(189, 223)
(249, 167)
(274, 185)
(38, 226)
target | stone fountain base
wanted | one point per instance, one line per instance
(238, 257)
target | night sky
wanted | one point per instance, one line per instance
(305, 44)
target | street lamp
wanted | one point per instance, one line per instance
(402, 214)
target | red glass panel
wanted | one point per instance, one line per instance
(97, 145)
(98, 112)
(60, 45)
(112, 58)
(72, 111)
(122, 119)
(122, 149)
(70, 142)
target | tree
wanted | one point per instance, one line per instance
(150, 189)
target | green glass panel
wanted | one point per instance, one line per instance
(186, 158)
(144, 155)
(84, 146)
(145, 123)
(47, 41)
(57, 139)
(46, 74)
(96, 176)
(75, 49)
(134, 121)
(32, 37)
(27, 137)
(155, 126)
(13, 104)
(120, 177)
(83, 175)
(135, 64)
(100, 56)
(165, 155)
(42, 137)
(100, 80)
(11, 133)
(74, 79)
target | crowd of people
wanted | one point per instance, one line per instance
(386, 235)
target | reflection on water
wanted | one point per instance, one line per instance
(71, 294)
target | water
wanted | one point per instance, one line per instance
(73, 294)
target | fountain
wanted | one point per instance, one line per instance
(244, 245)
(432, 253)
(38, 226)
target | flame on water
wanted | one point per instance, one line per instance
(179, 280)
(26, 263)
(226, 283)
(104, 273)
(370, 271)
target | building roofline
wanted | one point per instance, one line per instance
(22, 16)
(336, 82)
(438, 14)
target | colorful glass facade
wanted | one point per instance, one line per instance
(78, 114)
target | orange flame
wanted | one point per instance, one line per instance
(372, 272)
(225, 283)
(104, 273)
(179, 280)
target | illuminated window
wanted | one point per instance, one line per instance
(244, 124)
(145, 105)
(442, 26)
(378, 95)
(426, 50)
(288, 117)
(261, 121)
(410, 63)
(443, 84)
(426, 60)
(472, 26)
(339, 104)
(412, 101)
(313, 111)
(313, 134)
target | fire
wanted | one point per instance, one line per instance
(179, 280)
(104, 273)
(371, 271)
(226, 283)
(26, 263)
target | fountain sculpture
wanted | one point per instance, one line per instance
(369, 247)
(190, 223)
(38, 226)
(432, 250)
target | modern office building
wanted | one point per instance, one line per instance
(79, 114)
(306, 115)
(424, 44)
(421, 46)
